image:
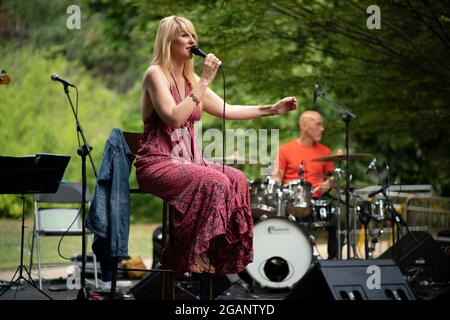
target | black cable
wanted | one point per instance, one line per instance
(65, 233)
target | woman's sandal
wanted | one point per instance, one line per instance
(202, 264)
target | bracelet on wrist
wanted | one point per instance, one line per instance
(194, 98)
(267, 107)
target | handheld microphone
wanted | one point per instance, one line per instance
(372, 165)
(198, 52)
(55, 77)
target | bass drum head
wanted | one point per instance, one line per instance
(282, 253)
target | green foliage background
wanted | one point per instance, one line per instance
(396, 80)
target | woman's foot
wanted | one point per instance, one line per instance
(202, 264)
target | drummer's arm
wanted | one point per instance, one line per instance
(324, 186)
(279, 167)
(278, 175)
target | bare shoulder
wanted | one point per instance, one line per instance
(153, 74)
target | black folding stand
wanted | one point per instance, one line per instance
(40, 173)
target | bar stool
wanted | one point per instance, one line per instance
(168, 277)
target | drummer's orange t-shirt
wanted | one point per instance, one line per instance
(292, 153)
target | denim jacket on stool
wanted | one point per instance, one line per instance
(109, 213)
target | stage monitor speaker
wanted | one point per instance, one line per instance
(425, 255)
(149, 288)
(352, 280)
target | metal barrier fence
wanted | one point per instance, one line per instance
(418, 205)
(428, 213)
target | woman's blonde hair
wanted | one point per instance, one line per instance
(168, 29)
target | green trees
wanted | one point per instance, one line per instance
(395, 79)
(35, 115)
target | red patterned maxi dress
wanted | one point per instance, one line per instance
(212, 213)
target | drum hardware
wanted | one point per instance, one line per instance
(364, 212)
(316, 251)
(337, 173)
(384, 210)
(375, 236)
(292, 218)
(279, 203)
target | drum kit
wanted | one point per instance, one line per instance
(285, 216)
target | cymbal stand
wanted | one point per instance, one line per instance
(355, 227)
(337, 174)
(347, 117)
(279, 203)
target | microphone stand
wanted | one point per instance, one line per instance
(83, 151)
(337, 174)
(396, 221)
(347, 117)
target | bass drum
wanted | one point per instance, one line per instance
(282, 253)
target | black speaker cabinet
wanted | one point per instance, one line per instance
(352, 280)
(187, 288)
(418, 250)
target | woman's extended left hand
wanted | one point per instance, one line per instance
(285, 105)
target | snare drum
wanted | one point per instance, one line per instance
(298, 195)
(282, 253)
(264, 197)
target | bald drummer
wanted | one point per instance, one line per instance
(299, 153)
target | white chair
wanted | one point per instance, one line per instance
(52, 219)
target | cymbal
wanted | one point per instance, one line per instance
(342, 157)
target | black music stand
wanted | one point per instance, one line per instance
(39, 173)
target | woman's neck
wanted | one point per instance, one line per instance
(177, 69)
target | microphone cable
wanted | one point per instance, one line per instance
(223, 119)
(198, 52)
